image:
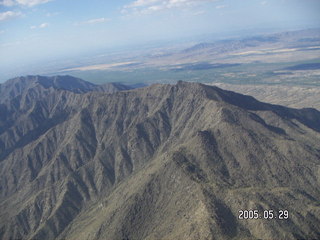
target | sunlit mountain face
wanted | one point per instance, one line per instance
(80, 160)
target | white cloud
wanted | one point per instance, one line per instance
(150, 6)
(93, 21)
(221, 6)
(8, 15)
(2, 31)
(264, 3)
(29, 3)
(42, 25)
(97, 20)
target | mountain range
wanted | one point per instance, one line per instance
(166, 161)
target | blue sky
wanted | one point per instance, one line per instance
(32, 31)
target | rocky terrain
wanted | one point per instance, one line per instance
(81, 161)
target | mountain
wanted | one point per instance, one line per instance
(291, 39)
(159, 162)
(229, 45)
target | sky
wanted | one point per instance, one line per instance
(35, 31)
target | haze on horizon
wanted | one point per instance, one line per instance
(35, 31)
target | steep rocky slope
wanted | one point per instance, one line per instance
(161, 162)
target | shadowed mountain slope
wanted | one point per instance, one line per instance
(161, 162)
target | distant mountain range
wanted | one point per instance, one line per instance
(83, 161)
(301, 38)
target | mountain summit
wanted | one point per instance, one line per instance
(161, 162)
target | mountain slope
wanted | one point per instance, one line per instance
(161, 162)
